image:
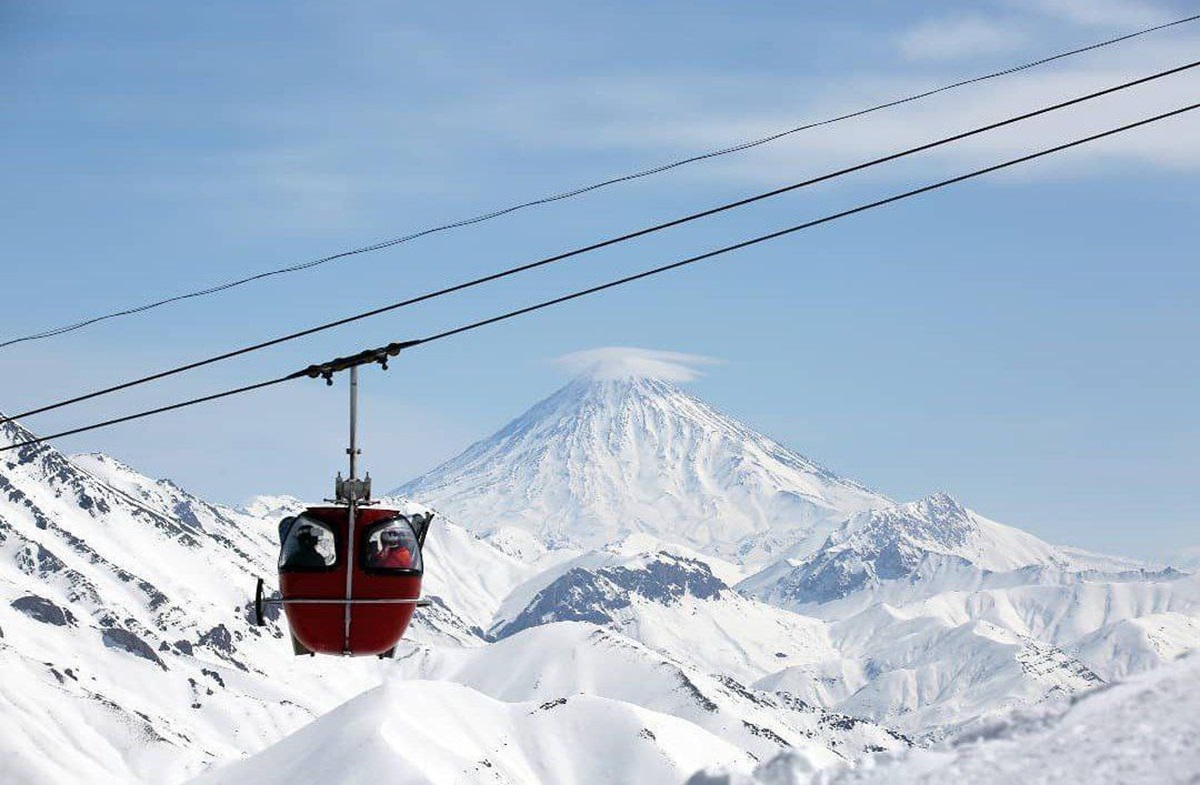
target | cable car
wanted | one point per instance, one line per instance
(349, 571)
(350, 583)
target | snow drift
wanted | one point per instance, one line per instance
(1145, 731)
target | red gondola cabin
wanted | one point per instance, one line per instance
(351, 595)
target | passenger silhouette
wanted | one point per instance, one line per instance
(305, 553)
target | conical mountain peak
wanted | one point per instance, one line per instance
(609, 455)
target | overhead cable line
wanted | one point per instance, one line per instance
(598, 245)
(380, 355)
(739, 147)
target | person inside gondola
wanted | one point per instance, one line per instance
(284, 526)
(305, 554)
(391, 553)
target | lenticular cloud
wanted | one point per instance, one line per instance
(631, 362)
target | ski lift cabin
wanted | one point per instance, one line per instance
(350, 586)
(350, 571)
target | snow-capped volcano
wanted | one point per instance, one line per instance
(610, 455)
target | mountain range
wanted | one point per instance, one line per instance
(624, 582)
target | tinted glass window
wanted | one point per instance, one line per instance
(308, 545)
(391, 546)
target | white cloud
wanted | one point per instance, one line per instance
(631, 362)
(1100, 13)
(1171, 145)
(951, 39)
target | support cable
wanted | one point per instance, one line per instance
(380, 355)
(601, 244)
(596, 186)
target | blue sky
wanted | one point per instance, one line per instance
(1026, 342)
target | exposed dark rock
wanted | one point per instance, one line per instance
(43, 610)
(221, 640)
(703, 700)
(667, 579)
(765, 733)
(578, 595)
(124, 640)
(736, 687)
(792, 702)
(33, 559)
(184, 512)
(218, 638)
(593, 595)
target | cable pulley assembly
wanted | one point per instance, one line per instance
(381, 355)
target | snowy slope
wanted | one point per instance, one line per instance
(435, 733)
(604, 458)
(930, 664)
(1145, 731)
(669, 599)
(940, 617)
(926, 677)
(125, 628)
(559, 660)
(125, 632)
(1138, 644)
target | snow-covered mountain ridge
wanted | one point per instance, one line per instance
(670, 599)
(918, 541)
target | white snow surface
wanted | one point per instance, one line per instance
(440, 733)
(942, 617)
(1145, 731)
(606, 457)
(569, 658)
